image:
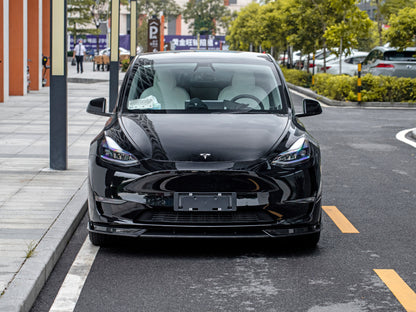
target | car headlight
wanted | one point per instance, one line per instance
(298, 152)
(113, 153)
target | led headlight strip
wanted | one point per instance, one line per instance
(113, 153)
(298, 152)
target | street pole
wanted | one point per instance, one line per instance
(162, 33)
(359, 84)
(58, 98)
(114, 57)
(133, 28)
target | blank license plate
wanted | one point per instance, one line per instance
(205, 202)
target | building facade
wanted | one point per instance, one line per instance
(369, 7)
(24, 38)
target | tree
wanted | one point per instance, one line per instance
(244, 29)
(309, 23)
(99, 12)
(80, 18)
(205, 15)
(351, 23)
(157, 7)
(392, 7)
(83, 13)
(147, 9)
(387, 8)
(402, 31)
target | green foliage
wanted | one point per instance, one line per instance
(125, 65)
(297, 77)
(142, 33)
(308, 21)
(374, 88)
(244, 30)
(304, 25)
(205, 15)
(79, 17)
(402, 29)
(388, 8)
(336, 87)
(30, 251)
(351, 23)
(154, 7)
(366, 43)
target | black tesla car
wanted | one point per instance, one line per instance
(204, 145)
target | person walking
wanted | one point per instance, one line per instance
(79, 52)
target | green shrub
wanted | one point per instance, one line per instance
(297, 77)
(336, 87)
(374, 88)
(125, 65)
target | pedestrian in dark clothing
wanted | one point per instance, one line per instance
(79, 52)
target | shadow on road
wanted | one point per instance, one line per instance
(213, 248)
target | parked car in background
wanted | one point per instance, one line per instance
(349, 64)
(122, 51)
(391, 62)
(204, 145)
(319, 60)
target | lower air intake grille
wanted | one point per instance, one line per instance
(235, 217)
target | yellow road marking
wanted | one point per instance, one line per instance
(403, 293)
(339, 219)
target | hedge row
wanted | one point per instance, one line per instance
(344, 88)
(297, 77)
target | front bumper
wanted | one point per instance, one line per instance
(201, 232)
(268, 203)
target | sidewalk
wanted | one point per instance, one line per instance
(39, 207)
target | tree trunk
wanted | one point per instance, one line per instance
(379, 23)
(340, 56)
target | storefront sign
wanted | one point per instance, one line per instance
(191, 42)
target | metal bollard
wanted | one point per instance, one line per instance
(359, 84)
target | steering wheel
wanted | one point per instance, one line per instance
(248, 96)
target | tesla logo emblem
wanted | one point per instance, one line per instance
(205, 155)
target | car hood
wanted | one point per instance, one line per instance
(204, 137)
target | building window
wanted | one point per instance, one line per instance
(171, 25)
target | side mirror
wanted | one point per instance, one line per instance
(310, 108)
(97, 107)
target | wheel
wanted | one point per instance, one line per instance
(100, 239)
(248, 96)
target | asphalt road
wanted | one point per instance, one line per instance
(368, 175)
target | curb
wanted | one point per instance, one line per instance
(29, 281)
(86, 80)
(330, 102)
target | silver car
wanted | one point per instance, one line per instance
(391, 62)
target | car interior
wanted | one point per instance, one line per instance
(204, 86)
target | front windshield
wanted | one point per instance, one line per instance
(204, 87)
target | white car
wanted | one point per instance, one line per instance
(319, 60)
(349, 64)
(122, 51)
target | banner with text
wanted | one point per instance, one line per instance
(174, 42)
